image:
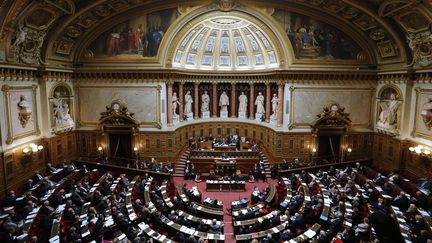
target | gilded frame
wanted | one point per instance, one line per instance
(157, 123)
(292, 90)
(415, 132)
(7, 89)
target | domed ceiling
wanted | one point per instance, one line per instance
(225, 43)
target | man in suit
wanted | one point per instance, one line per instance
(11, 199)
(37, 177)
(401, 201)
(28, 185)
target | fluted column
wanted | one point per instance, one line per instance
(252, 101)
(169, 102)
(233, 99)
(181, 100)
(196, 100)
(268, 101)
(214, 100)
(280, 104)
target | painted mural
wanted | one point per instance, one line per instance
(313, 39)
(137, 37)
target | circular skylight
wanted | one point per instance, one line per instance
(225, 43)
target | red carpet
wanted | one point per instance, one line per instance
(226, 198)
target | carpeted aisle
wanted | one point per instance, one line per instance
(226, 198)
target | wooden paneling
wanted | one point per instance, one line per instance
(387, 152)
(62, 147)
(17, 167)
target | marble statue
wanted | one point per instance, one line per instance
(67, 119)
(243, 100)
(224, 102)
(259, 102)
(58, 109)
(62, 118)
(275, 103)
(175, 103)
(205, 102)
(25, 111)
(388, 115)
(188, 105)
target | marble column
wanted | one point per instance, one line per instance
(169, 102)
(233, 99)
(268, 101)
(280, 104)
(214, 100)
(181, 100)
(196, 101)
(252, 101)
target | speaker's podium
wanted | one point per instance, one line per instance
(224, 166)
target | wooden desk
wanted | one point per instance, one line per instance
(206, 145)
(225, 148)
(219, 185)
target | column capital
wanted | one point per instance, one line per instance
(169, 82)
(197, 83)
(214, 83)
(280, 82)
(268, 83)
(182, 82)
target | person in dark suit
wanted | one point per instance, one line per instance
(11, 199)
(401, 201)
(37, 177)
(46, 209)
(28, 185)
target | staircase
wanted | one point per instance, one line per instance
(181, 164)
(266, 164)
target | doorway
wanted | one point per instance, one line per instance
(329, 147)
(120, 145)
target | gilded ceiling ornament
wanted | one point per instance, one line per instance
(226, 5)
(350, 13)
(27, 46)
(103, 10)
(377, 34)
(421, 47)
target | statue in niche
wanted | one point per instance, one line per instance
(243, 100)
(205, 102)
(25, 111)
(175, 103)
(426, 114)
(224, 102)
(62, 117)
(259, 102)
(388, 115)
(188, 105)
(275, 103)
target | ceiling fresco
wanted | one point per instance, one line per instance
(52, 32)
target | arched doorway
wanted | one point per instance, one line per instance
(119, 128)
(330, 129)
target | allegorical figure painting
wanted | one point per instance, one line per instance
(140, 36)
(313, 39)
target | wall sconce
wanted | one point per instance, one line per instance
(135, 149)
(349, 150)
(420, 150)
(314, 150)
(100, 151)
(33, 148)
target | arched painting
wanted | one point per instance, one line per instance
(137, 37)
(313, 39)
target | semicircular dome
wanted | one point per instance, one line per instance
(225, 43)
